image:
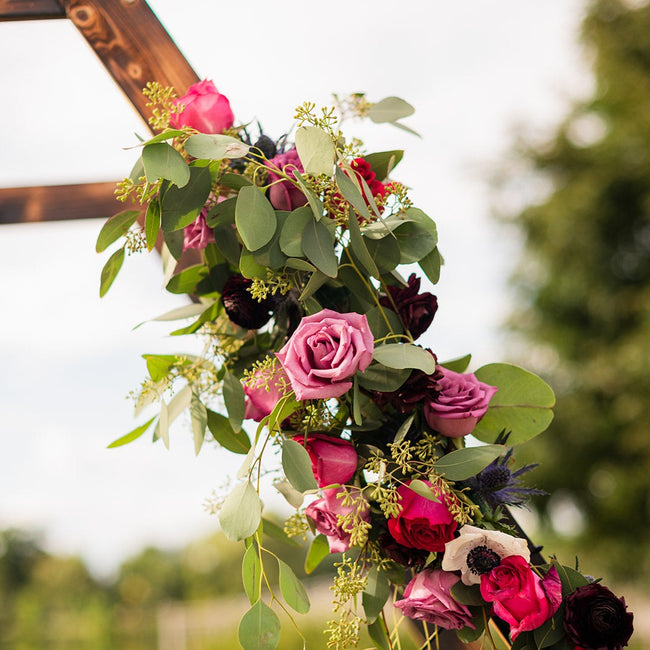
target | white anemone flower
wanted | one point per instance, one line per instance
(478, 551)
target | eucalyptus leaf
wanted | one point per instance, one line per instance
(382, 162)
(318, 550)
(318, 246)
(379, 635)
(464, 463)
(405, 355)
(152, 224)
(186, 281)
(385, 252)
(383, 321)
(300, 265)
(259, 628)
(467, 594)
(459, 364)
(315, 150)
(241, 512)
(351, 193)
(431, 264)
(234, 181)
(199, 418)
(213, 146)
(114, 228)
(390, 109)
(297, 466)
(292, 230)
(255, 218)
(422, 489)
(314, 202)
(358, 246)
(235, 400)
(110, 271)
(316, 281)
(292, 496)
(382, 378)
(162, 428)
(251, 573)
(132, 435)
(174, 243)
(404, 429)
(415, 242)
(272, 530)
(222, 213)
(375, 594)
(182, 205)
(161, 160)
(468, 634)
(222, 431)
(292, 590)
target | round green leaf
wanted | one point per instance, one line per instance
(404, 355)
(181, 205)
(464, 463)
(241, 512)
(161, 160)
(315, 150)
(390, 109)
(318, 247)
(212, 146)
(259, 628)
(114, 228)
(294, 226)
(382, 378)
(255, 218)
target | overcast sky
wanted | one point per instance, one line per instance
(473, 70)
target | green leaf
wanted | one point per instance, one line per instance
(467, 594)
(385, 252)
(255, 218)
(383, 162)
(405, 355)
(404, 429)
(114, 228)
(415, 242)
(235, 400)
(199, 416)
(152, 224)
(315, 203)
(390, 109)
(358, 246)
(423, 490)
(300, 265)
(174, 242)
(235, 181)
(222, 213)
(522, 405)
(351, 193)
(161, 160)
(187, 279)
(162, 428)
(378, 634)
(318, 551)
(182, 205)
(316, 281)
(297, 466)
(377, 317)
(110, 271)
(318, 246)
(224, 434)
(158, 364)
(356, 402)
(259, 628)
(241, 512)
(315, 150)
(160, 137)
(464, 463)
(458, 365)
(550, 632)
(293, 592)
(132, 435)
(212, 146)
(251, 573)
(375, 594)
(382, 378)
(570, 578)
(277, 533)
(294, 226)
(467, 634)
(431, 264)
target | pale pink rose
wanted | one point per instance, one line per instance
(463, 400)
(325, 515)
(519, 596)
(324, 352)
(283, 194)
(333, 460)
(428, 598)
(205, 109)
(263, 390)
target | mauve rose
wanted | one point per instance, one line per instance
(423, 523)
(283, 194)
(333, 460)
(205, 109)
(595, 619)
(326, 349)
(325, 515)
(415, 309)
(428, 598)
(519, 596)
(198, 234)
(264, 389)
(460, 404)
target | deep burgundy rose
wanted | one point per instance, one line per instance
(410, 557)
(415, 309)
(204, 109)
(241, 307)
(428, 598)
(283, 194)
(595, 619)
(333, 460)
(462, 401)
(519, 596)
(423, 523)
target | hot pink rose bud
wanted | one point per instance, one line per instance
(204, 109)
(462, 401)
(283, 194)
(333, 460)
(324, 352)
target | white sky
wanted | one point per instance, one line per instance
(473, 70)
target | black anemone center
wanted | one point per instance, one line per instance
(482, 559)
(495, 478)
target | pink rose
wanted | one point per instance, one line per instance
(428, 598)
(204, 109)
(521, 598)
(461, 403)
(326, 349)
(325, 514)
(333, 460)
(264, 389)
(283, 194)
(423, 523)
(198, 234)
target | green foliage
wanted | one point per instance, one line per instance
(585, 295)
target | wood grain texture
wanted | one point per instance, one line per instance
(133, 46)
(58, 203)
(30, 9)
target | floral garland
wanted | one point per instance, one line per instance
(290, 252)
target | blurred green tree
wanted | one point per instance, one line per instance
(585, 308)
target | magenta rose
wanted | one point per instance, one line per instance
(283, 194)
(519, 596)
(333, 460)
(204, 109)
(428, 598)
(264, 389)
(326, 349)
(423, 523)
(461, 402)
(325, 514)
(198, 234)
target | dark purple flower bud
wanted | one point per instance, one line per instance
(241, 307)
(595, 619)
(266, 146)
(415, 309)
